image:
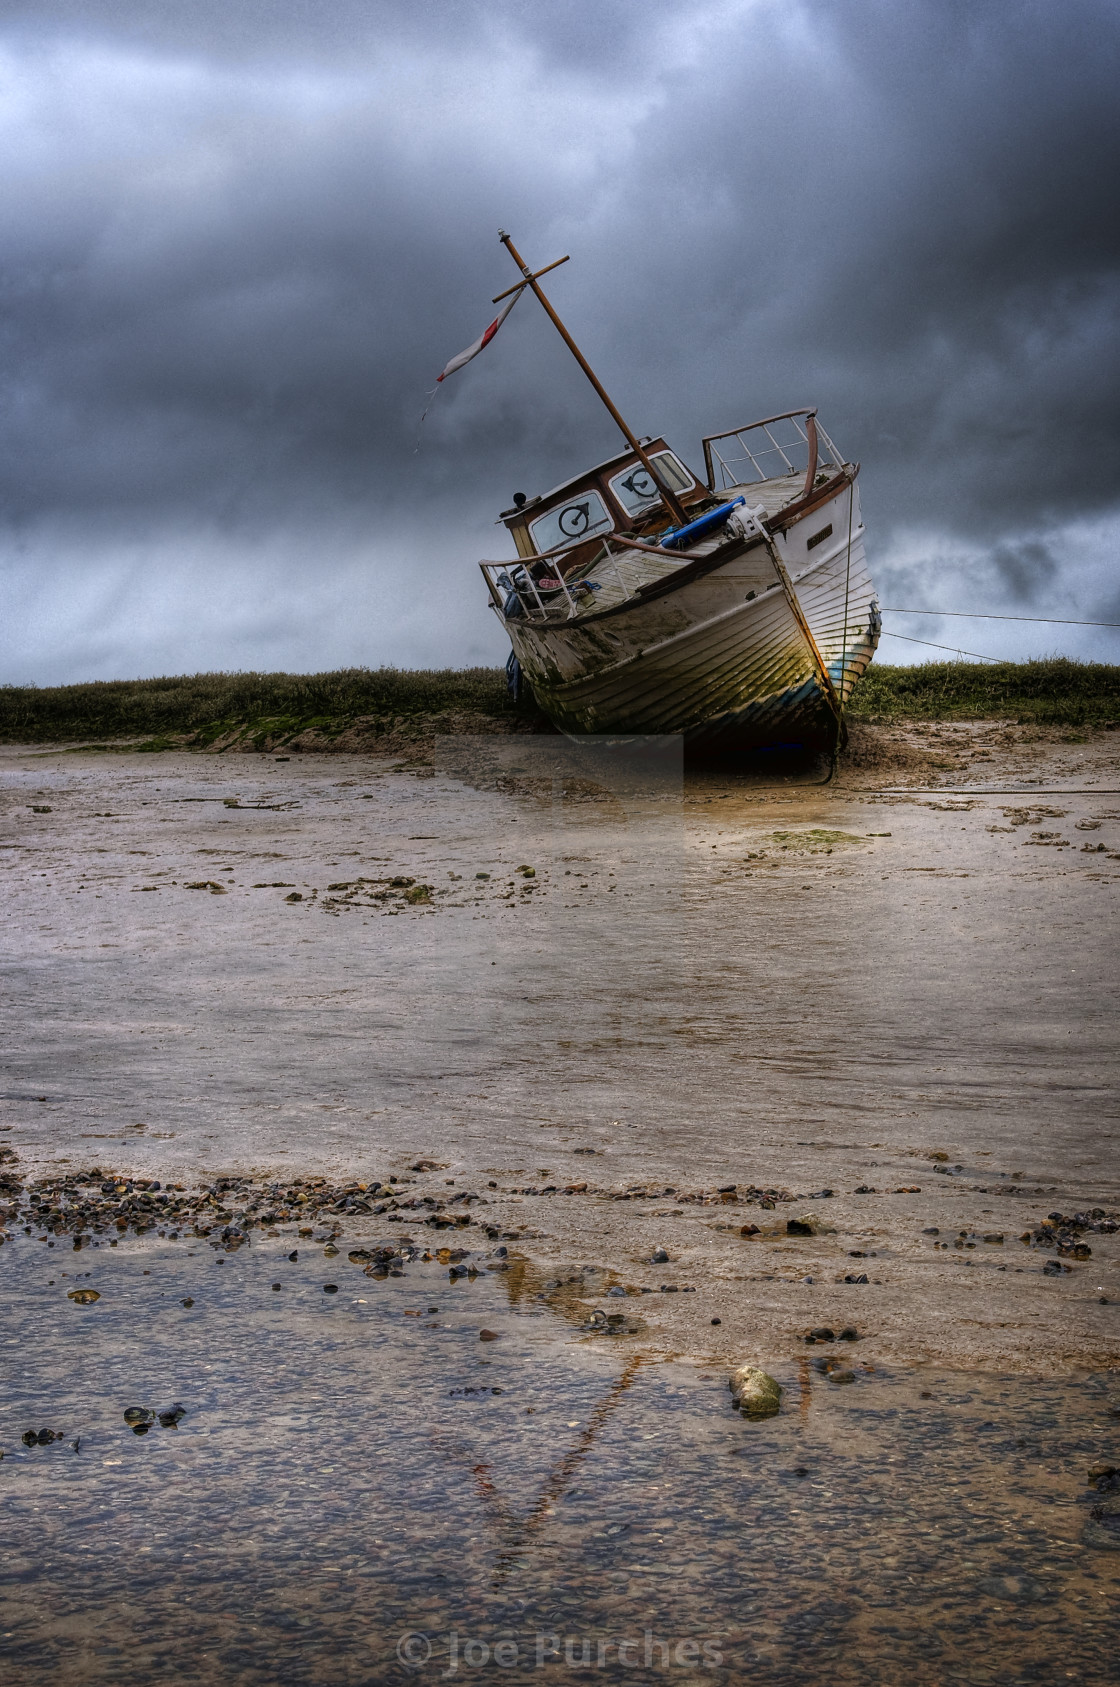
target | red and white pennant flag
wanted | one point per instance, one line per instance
(481, 342)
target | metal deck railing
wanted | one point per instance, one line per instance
(777, 445)
(517, 594)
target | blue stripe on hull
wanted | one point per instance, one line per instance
(800, 718)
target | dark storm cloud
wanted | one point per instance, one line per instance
(1025, 567)
(242, 239)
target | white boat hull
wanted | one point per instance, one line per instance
(728, 670)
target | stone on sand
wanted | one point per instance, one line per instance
(755, 1392)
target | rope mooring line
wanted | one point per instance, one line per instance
(977, 615)
(929, 644)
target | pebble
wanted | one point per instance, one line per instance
(488, 1335)
(294, 1255)
(83, 1297)
(809, 1224)
(862, 1278)
(755, 1392)
(717, 1320)
(841, 1376)
(659, 1256)
(277, 1285)
(138, 1414)
(330, 1288)
(187, 1300)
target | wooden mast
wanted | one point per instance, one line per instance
(672, 502)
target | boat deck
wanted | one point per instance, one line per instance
(620, 574)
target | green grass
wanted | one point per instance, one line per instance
(1060, 692)
(205, 706)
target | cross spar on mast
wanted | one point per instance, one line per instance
(672, 502)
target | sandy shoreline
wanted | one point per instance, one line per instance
(860, 986)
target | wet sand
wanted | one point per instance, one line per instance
(433, 1063)
(902, 995)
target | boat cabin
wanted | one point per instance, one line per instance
(606, 537)
(616, 496)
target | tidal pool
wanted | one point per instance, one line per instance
(363, 1490)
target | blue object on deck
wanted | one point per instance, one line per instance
(698, 528)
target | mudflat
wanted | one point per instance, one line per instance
(780, 1054)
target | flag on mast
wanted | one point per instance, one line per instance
(481, 342)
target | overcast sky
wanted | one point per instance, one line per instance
(240, 238)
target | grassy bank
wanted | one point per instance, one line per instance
(1060, 692)
(207, 706)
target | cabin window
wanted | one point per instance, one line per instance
(634, 487)
(582, 517)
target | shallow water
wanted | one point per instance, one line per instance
(704, 982)
(358, 1468)
(934, 983)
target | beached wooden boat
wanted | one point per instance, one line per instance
(736, 609)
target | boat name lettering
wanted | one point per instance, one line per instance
(819, 538)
